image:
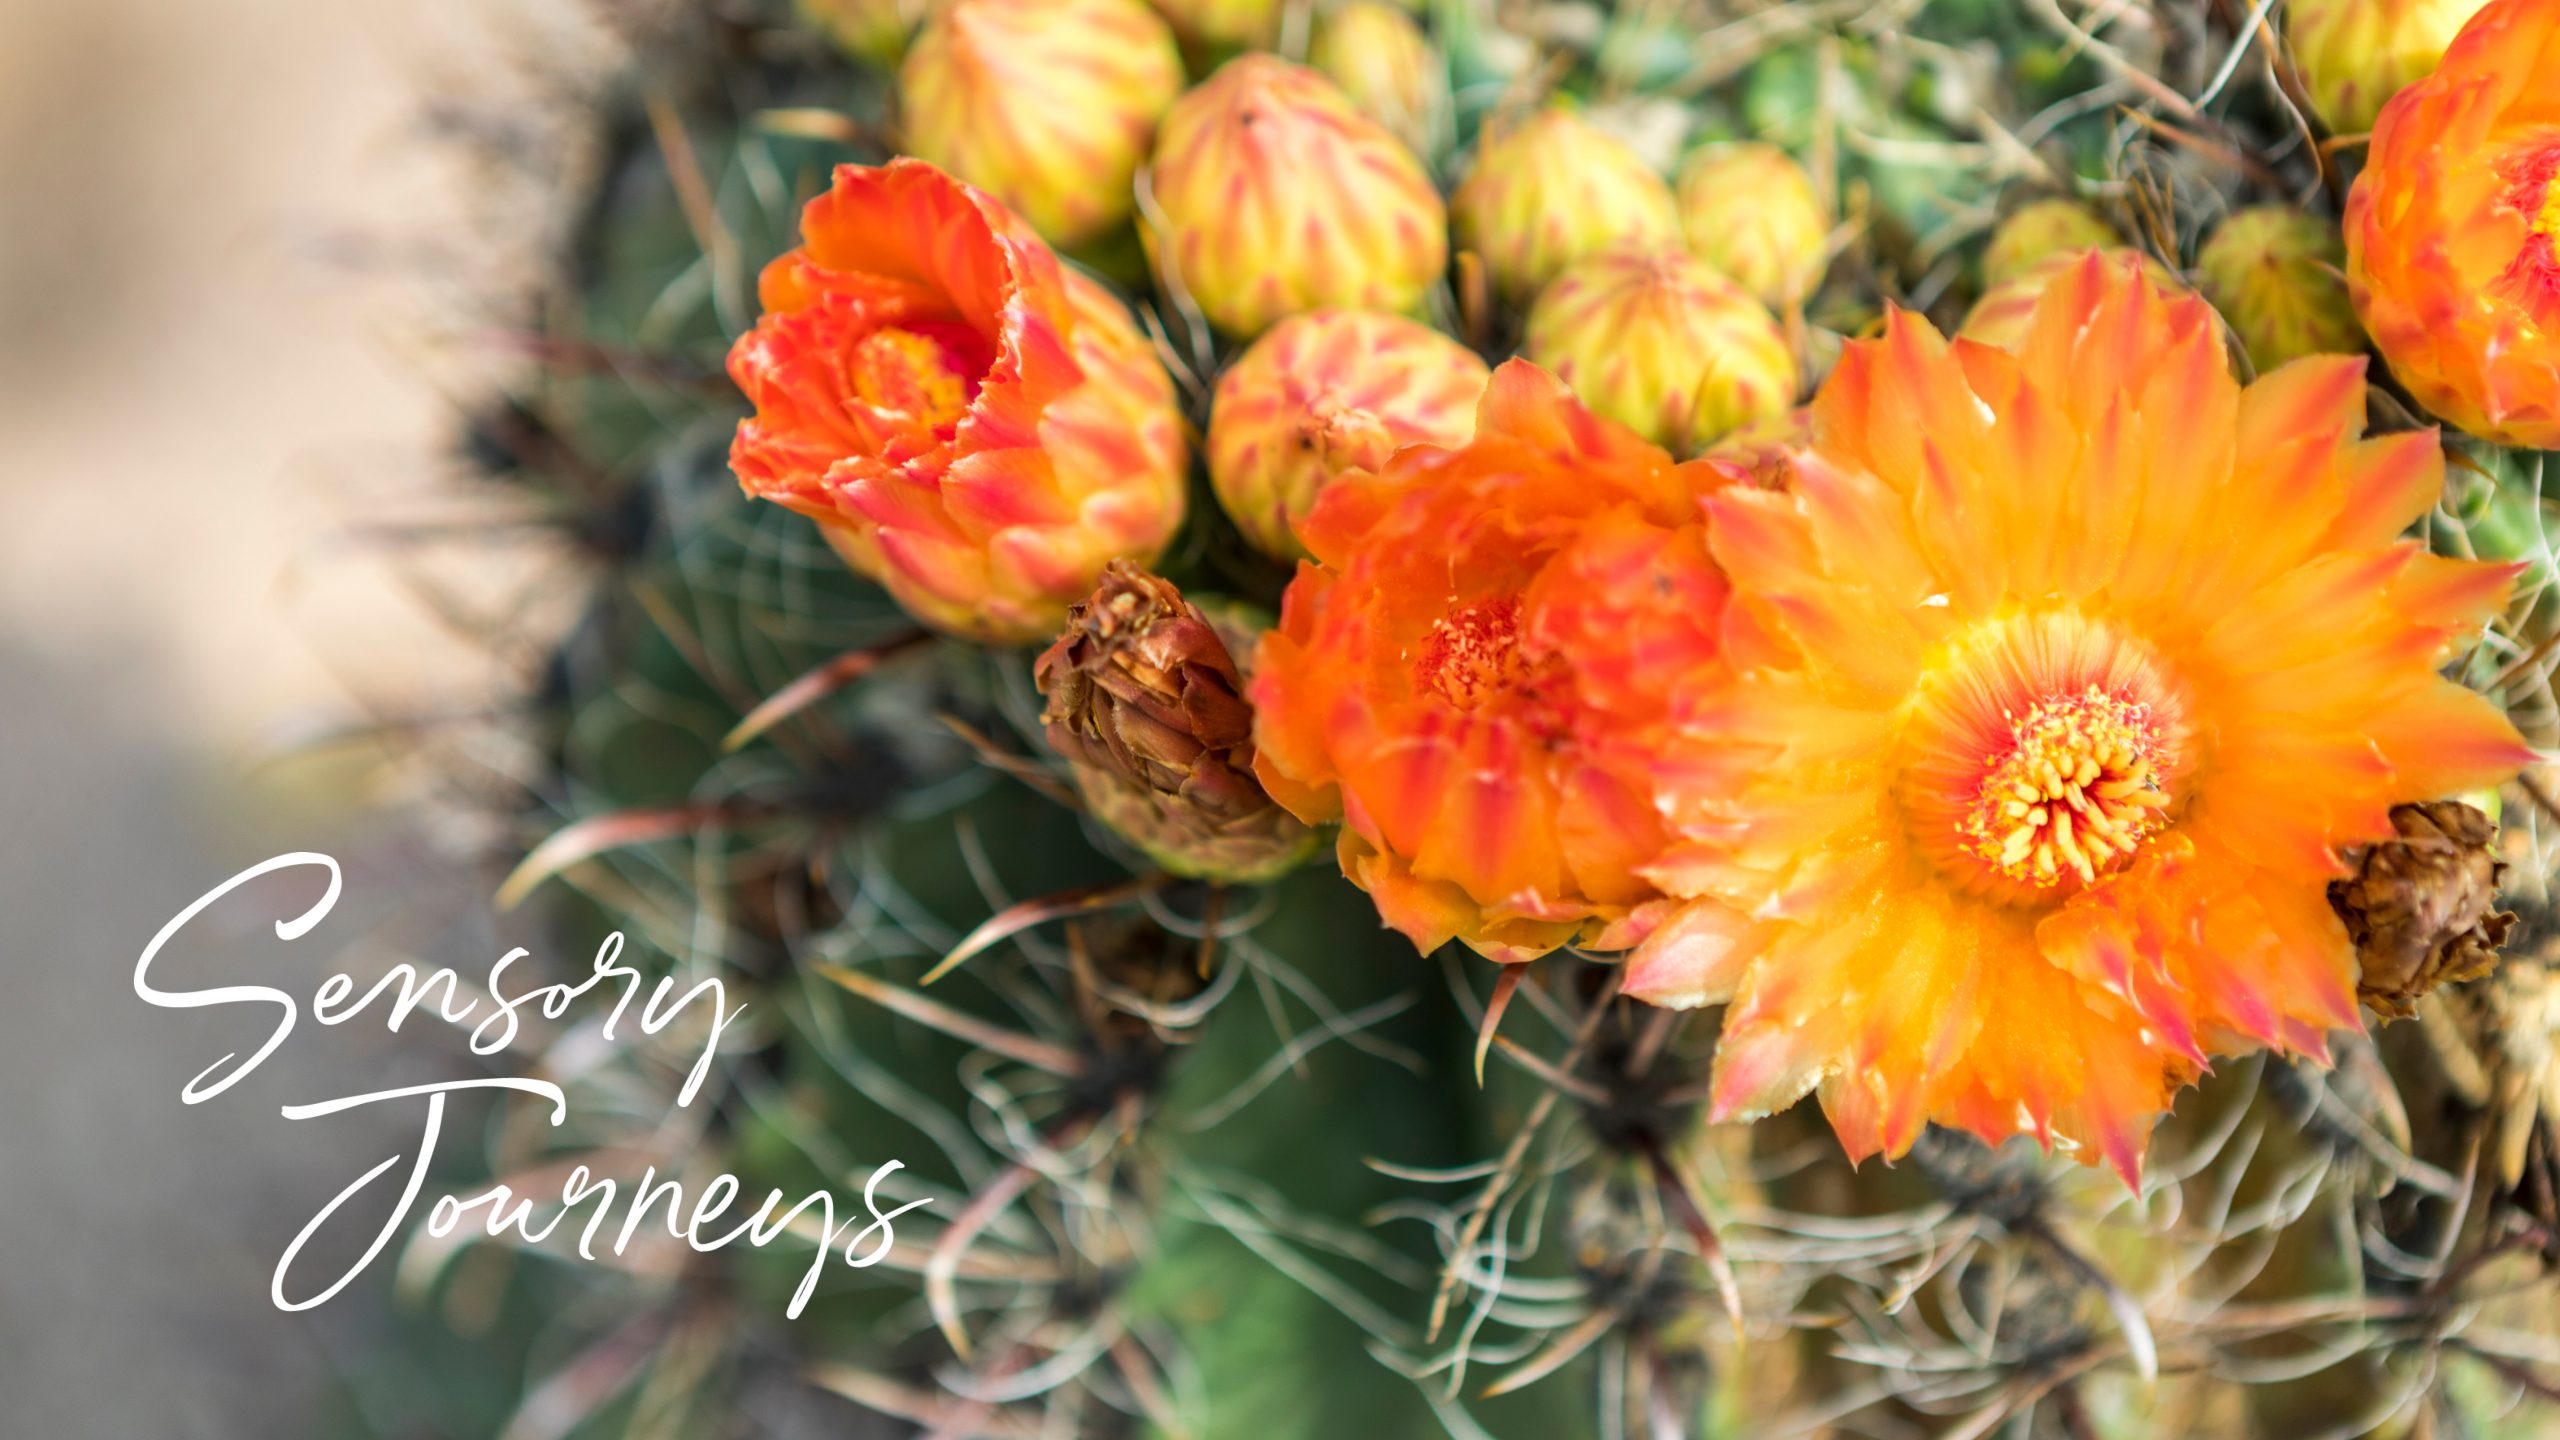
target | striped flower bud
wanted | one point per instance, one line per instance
(2276, 275)
(1047, 105)
(1326, 393)
(1659, 341)
(2355, 55)
(1550, 188)
(1275, 195)
(1388, 67)
(1752, 213)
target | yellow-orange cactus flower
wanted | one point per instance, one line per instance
(1325, 393)
(2007, 310)
(1274, 195)
(2064, 678)
(1550, 188)
(1662, 343)
(1751, 211)
(2041, 228)
(1048, 105)
(970, 425)
(2453, 230)
(2355, 55)
(1224, 24)
(2275, 274)
(1388, 67)
(1474, 673)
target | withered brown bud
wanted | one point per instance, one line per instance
(1146, 702)
(2419, 908)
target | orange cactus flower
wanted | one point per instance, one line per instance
(970, 425)
(1473, 673)
(2453, 230)
(2065, 676)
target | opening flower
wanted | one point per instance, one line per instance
(2453, 230)
(970, 425)
(1474, 673)
(2081, 667)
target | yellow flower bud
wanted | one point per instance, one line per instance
(1751, 212)
(1326, 393)
(1274, 195)
(1224, 24)
(873, 30)
(2046, 227)
(2278, 278)
(2356, 54)
(1657, 340)
(1047, 105)
(1384, 62)
(1550, 188)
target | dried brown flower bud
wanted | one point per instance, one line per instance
(1147, 705)
(2419, 907)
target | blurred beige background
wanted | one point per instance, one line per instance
(235, 237)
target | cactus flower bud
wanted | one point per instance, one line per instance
(2034, 231)
(1752, 213)
(2356, 54)
(970, 425)
(1146, 702)
(1325, 393)
(1551, 188)
(1047, 105)
(2277, 277)
(1224, 24)
(1274, 195)
(2422, 907)
(2007, 310)
(873, 30)
(1384, 62)
(1660, 342)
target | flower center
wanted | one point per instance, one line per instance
(2075, 792)
(909, 374)
(1473, 653)
(2533, 190)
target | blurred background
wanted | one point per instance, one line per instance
(239, 243)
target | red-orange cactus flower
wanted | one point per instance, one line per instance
(2453, 229)
(1473, 673)
(2065, 676)
(970, 425)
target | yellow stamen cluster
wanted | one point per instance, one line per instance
(904, 373)
(2075, 792)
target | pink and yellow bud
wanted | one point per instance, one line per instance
(1751, 212)
(1388, 67)
(1659, 341)
(2046, 227)
(1548, 189)
(1324, 394)
(1224, 24)
(2354, 55)
(1275, 195)
(1048, 105)
(2006, 311)
(2277, 276)
(873, 30)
